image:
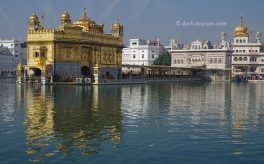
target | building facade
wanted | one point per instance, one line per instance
(16, 47)
(142, 52)
(248, 57)
(8, 63)
(215, 59)
(79, 48)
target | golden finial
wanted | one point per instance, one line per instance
(34, 13)
(85, 11)
(241, 20)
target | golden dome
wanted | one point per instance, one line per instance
(65, 16)
(88, 24)
(116, 24)
(241, 30)
(34, 17)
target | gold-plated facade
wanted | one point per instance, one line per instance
(73, 46)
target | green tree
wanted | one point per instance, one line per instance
(163, 59)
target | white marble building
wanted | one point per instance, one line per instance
(12, 52)
(248, 57)
(201, 54)
(142, 52)
(15, 47)
(8, 63)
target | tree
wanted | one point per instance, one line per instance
(163, 59)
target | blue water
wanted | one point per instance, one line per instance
(154, 123)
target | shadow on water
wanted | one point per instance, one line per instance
(70, 120)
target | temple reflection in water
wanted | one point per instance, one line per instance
(83, 120)
(70, 118)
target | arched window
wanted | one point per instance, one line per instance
(244, 40)
(235, 59)
(240, 40)
(245, 59)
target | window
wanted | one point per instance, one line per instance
(211, 60)
(240, 40)
(237, 40)
(134, 43)
(215, 60)
(244, 50)
(152, 56)
(249, 50)
(235, 59)
(240, 58)
(262, 69)
(219, 60)
(245, 59)
(244, 41)
(256, 51)
(175, 61)
(236, 50)
(182, 61)
(134, 56)
(36, 54)
(142, 56)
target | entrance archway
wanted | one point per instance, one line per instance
(34, 72)
(85, 71)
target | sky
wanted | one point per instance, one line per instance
(184, 20)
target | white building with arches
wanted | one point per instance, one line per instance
(248, 57)
(217, 59)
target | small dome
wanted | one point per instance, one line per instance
(241, 30)
(116, 24)
(65, 16)
(33, 17)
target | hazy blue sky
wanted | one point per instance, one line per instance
(147, 19)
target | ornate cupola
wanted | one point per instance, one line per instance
(65, 19)
(33, 22)
(241, 30)
(117, 29)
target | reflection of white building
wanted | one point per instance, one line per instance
(248, 57)
(201, 54)
(142, 52)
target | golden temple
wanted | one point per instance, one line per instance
(74, 49)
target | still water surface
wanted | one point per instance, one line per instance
(155, 123)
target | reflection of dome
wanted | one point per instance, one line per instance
(241, 30)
